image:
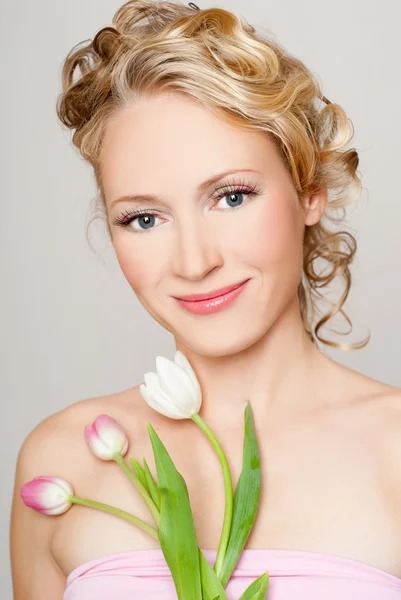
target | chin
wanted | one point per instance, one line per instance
(221, 343)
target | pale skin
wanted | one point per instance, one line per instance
(329, 437)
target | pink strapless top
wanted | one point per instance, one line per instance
(293, 575)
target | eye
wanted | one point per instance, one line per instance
(234, 192)
(145, 217)
(234, 198)
(146, 220)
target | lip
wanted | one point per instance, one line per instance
(210, 295)
(217, 303)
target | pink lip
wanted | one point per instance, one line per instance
(211, 305)
(209, 295)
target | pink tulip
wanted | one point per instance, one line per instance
(106, 437)
(48, 495)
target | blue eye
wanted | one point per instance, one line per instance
(233, 197)
(231, 192)
(148, 219)
(129, 216)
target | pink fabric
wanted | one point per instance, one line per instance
(293, 575)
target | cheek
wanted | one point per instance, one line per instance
(275, 234)
(136, 271)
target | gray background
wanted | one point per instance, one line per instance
(72, 327)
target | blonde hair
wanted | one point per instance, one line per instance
(243, 77)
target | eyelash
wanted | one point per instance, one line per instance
(128, 216)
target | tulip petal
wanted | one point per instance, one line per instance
(148, 396)
(183, 362)
(110, 432)
(94, 442)
(155, 399)
(162, 402)
(152, 383)
(125, 448)
(106, 437)
(165, 371)
(48, 495)
(174, 409)
(174, 390)
(178, 385)
(151, 380)
(58, 510)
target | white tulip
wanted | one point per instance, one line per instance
(173, 391)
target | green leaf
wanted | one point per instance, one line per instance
(246, 499)
(177, 533)
(257, 589)
(152, 486)
(140, 473)
(211, 584)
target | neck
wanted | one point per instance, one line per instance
(281, 375)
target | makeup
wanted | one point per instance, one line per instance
(211, 305)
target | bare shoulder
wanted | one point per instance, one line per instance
(373, 409)
(375, 405)
(358, 389)
(56, 446)
(391, 457)
(381, 405)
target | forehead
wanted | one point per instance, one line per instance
(171, 139)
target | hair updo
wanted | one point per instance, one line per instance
(242, 77)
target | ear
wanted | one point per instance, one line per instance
(314, 205)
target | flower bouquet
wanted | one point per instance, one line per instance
(174, 391)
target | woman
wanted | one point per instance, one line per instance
(220, 164)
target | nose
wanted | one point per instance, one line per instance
(195, 251)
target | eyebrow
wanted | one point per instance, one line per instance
(200, 188)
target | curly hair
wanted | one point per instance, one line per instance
(245, 78)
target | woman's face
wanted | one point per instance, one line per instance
(202, 237)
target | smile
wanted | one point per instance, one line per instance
(212, 305)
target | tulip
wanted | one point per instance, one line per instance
(106, 437)
(48, 495)
(173, 391)
(108, 441)
(54, 496)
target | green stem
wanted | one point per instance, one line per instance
(228, 513)
(118, 512)
(134, 479)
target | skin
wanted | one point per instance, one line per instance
(166, 146)
(329, 437)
